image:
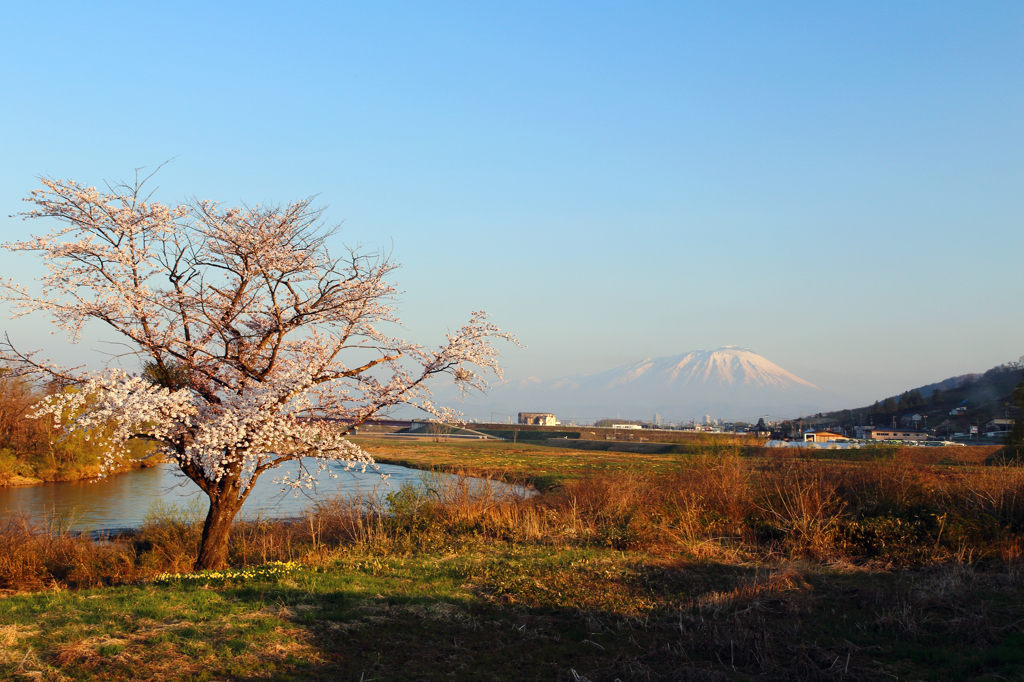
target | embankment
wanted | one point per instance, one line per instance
(955, 455)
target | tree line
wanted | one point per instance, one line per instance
(908, 400)
(35, 447)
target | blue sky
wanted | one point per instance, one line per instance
(837, 186)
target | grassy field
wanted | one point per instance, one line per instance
(707, 566)
(540, 466)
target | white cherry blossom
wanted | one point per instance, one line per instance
(271, 348)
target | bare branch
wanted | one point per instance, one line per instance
(246, 324)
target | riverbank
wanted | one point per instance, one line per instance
(709, 568)
(17, 480)
(35, 450)
(21, 476)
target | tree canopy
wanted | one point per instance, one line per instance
(258, 345)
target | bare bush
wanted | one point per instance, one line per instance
(712, 508)
(37, 555)
(802, 501)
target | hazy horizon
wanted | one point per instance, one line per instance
(836, 187)
(534, 394)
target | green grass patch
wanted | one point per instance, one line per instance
(526, 612)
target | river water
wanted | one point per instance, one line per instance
(123, 500)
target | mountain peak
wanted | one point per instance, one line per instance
(726, 366)
(731, 381)
(729, 375)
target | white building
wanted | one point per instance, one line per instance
(886, 433)
(538, 418)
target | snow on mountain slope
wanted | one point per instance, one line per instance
(726, 366)
(730, 382)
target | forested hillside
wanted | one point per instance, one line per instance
(981, 397)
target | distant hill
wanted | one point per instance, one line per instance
(984, 396)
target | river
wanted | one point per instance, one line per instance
(123, 500)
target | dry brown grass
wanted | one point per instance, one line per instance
(892, 511)
(802, 503)
(37, 555)
(753, 591)
(957, 455)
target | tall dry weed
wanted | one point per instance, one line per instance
(994, 491)
(170, 535)
(486, 506)
(712, 506)
(884, 487)
(40, 554)
(620, 510)
(802, 501)
(708, 500)
(348, 519)
(712, 497)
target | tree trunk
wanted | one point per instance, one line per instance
(213, 551)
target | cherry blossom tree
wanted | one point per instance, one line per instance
(260, 346)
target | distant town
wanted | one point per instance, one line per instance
(976, 409)
(805, 430)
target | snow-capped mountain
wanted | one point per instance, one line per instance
(730, 382)
(729, 367)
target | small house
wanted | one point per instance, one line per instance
(999, 425)
(822, 436)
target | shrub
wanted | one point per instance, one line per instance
(881, 510)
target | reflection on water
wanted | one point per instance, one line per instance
(121, 501)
